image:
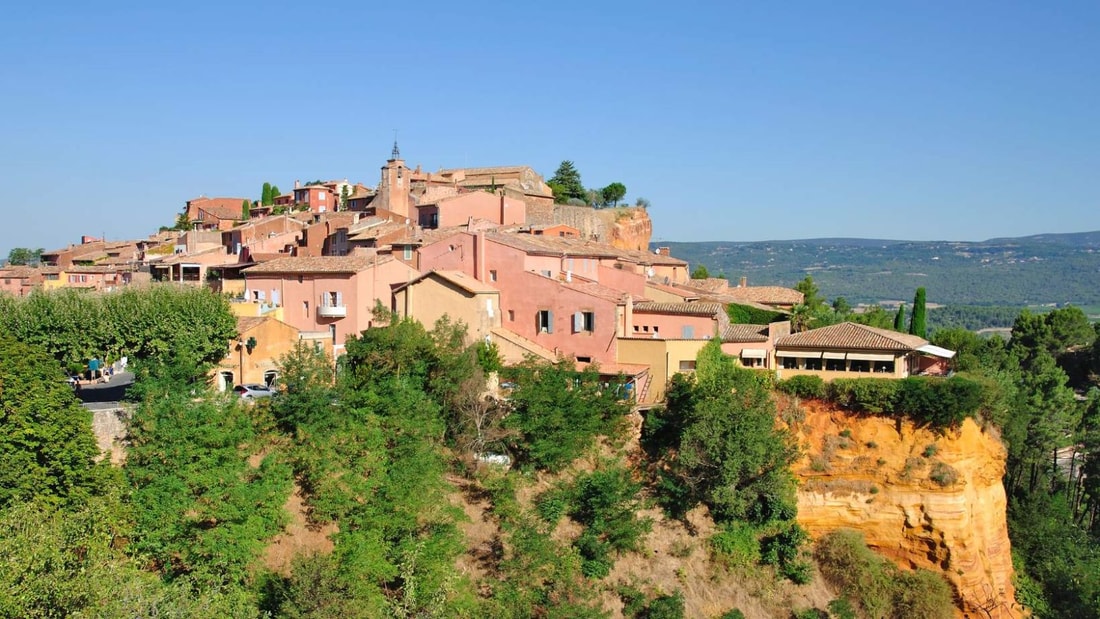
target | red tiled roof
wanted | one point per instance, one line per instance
(849, 336)
(319, 264)
(682, 309)
(745, 333)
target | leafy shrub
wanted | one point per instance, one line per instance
(783, 549)
(930, 450)
(733, 613)
(841, 608)
(736, 544)
(878, 587)
(943, 474)
(552, 504)
(804, 386)
(938, 402)
(864, 395)
(666, 607)
(606, 502)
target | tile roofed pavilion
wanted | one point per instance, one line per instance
(850, 335)
(320, 264)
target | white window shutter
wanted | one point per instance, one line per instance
(339, 299)
(578, 322)
(550, 322)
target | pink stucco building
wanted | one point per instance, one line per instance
(333, 295)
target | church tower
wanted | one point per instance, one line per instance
(393, 189)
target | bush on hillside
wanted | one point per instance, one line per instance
(804, 386)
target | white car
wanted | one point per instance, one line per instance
(253, 391)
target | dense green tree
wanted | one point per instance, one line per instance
(899, 319)
(613, 193)
(200, 507)
(841, 306)
(918, 322)
(811, 296)
(641, 203)
(47, 449)
(700, 272)
(246, 209)
(558, 412)
(566, 183)
(266, 199)
(161, 322)
(22, 256)
(730, 454)
(344, 194)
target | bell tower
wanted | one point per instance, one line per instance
(393, 189)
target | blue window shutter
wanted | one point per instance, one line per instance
(687, 332)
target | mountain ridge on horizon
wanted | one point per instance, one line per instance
(1085, 238)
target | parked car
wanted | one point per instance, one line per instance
(253, 391)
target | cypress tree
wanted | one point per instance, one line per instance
(246, 209)
(265, 196)
(899, 319)
(917, 325)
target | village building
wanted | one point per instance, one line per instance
(851, 350)
(454, 294)
(253, 356)
(327, 298)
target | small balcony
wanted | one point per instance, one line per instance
(332, 311)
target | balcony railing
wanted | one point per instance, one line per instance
(332, 311)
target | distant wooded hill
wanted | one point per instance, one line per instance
(1017, 272)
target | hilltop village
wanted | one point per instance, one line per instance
(485, 246)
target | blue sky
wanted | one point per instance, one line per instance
(738, 121)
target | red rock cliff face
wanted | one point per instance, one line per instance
(880, 477)
(629, 228)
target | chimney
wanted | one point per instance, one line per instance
(297, 184)
(744, 282)
(664, 251)
(479, 256)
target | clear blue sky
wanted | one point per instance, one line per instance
(738, 121)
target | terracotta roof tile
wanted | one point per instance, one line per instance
(745, 333)
(850, 335)
(319, 264)
(682, 309)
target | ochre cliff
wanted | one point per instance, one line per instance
(879, 476)
(625, 228)
(628, 228)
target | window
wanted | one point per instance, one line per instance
(790, 363)
(545, 321)
(492, 275)
(687, 332)
(408, 252)
(584, 359)
(859, 366)
(687, 365)
(333, 299)
(584, 322)
(813, 364)
(305, 308)
(751, 362)
(834, 365)
(886, 367)
(321, 196)
(546, 273)
(511, 315)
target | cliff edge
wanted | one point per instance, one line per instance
(920, 498)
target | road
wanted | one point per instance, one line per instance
(106, 395)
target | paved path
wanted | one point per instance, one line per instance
(106, 395)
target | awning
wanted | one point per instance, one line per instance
(936, 351)
(800, 354)
(754, 353)
(832, 355)
(858, 356)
